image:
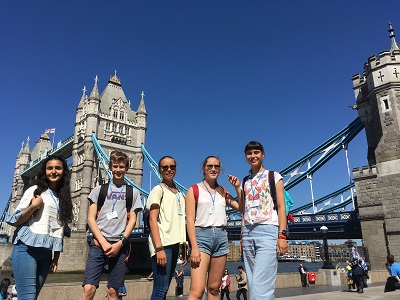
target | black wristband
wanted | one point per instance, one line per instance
(159, 249)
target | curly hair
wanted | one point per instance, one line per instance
(63, 188)
(5, 283)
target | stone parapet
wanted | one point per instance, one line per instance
(141, 289)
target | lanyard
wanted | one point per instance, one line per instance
(215, 193)
(54, 199)
(117, 198)
(253, 188)
(177, 194)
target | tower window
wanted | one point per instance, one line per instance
(385, 104)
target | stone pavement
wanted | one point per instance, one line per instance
(374, 291)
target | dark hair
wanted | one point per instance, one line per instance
(203, 165)
(226, 271)
(240, 268)
(254, 145)
(63, 188)
(5, 283)
(117, 157)
(390, 259)
(162, 158)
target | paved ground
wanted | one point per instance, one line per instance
(374, 291)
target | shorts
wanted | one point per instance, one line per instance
(212, 240)
(97, 260)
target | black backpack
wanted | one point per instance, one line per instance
(103, 194)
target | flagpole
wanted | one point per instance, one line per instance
(54, 134)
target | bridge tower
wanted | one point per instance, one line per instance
(117, 127)
(377, 93)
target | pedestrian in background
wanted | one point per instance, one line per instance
(40, 217)
(241, 279)
(303, 275)
(226, 285)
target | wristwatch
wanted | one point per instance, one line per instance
(283, 232)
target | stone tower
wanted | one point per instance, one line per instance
(377, 93)
(117, 127)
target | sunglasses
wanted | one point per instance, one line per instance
(216, 167)
(165, 168)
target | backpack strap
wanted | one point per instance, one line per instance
(272, 188)
(102, 195)
(129, 197)
(195, 188)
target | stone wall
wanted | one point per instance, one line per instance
(141, 289)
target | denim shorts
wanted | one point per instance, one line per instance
(212, 240)
(97, 260)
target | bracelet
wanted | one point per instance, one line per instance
(159, 249)
(281, 236)
(123, 238)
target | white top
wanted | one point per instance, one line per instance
(43, 228)
(14, 292)
(207, 213)
(171, 223)
(259, 205)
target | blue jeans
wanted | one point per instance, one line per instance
(30, 266)
(162, 276)
(260, 260)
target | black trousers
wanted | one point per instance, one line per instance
(241, 292)
(225, 291)
(303, 279)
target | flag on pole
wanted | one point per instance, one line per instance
(51, 130)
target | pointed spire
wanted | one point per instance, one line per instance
(84, 93)
(83, 99)
(393, 45)
(26, 148)
(95, 91)
(142, 108)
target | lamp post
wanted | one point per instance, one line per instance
(327, 262)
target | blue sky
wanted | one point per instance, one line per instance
(216, 74)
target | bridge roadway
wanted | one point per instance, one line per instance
(341, 225)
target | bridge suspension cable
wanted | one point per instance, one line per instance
(325, 151)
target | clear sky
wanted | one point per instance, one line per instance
(215, 74)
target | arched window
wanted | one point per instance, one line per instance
(121, 115)
(115, 114)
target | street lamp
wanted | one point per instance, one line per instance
(327, 262)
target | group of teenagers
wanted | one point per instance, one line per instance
(197, 218)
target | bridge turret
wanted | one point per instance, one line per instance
(22, 161)
(377, 92)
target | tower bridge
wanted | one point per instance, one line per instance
(105, 122)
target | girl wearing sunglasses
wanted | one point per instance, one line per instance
(206, 227)
(167, 228)
(264, 226)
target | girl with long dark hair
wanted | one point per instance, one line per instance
(43, 211)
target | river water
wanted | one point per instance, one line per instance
(283, 267)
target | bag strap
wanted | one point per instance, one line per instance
(129, 197)
(195, 188)
(102, 195)
(272, 188)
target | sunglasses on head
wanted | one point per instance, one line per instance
(216, 167)
(165, 168)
